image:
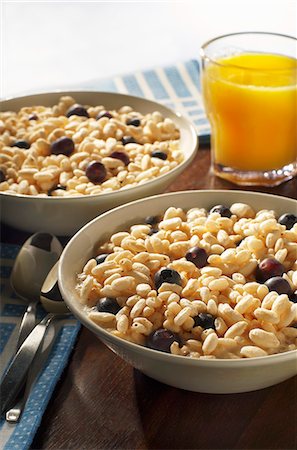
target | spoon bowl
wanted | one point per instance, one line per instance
(33, 262)
(50, 295)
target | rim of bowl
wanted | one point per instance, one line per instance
(182, 165)
(81, 315)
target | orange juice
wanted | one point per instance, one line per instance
(251, 102)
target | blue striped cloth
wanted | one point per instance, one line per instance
(176, 86)
(20, 436)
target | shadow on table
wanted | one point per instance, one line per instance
(177, 419)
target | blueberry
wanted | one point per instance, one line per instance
(96, 172)
(128, 140)
(159, 154)
(108, 305)
(21, 144)
(269, 268)
(33, 117)
(279, 285)
(58, 186)
(204, 320)
(288, 220)
(101, 258)
(134, 122)
(222, 210)
(121, 156)
(197, 256)
(77, 110)
(151, 220)
(104, 114)
(2, 176)
(62, 146)
(293, 297)
(152, 231)
(166, 275)
(162, 339)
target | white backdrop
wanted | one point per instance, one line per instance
(53, 44)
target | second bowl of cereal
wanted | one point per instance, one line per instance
(66, 157)
(196, 289)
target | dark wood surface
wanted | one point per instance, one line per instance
(101, 402)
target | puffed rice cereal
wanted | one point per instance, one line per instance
(75, 150)
(199, 284)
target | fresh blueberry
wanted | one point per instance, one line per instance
(197, 256)
(151, 220)
(96, 172)
(54, 188)
(152, 231)
(166, 275)
(128, 140)
(21, 144)
(204, 320)
(134, 122)
(101, 258)
(2, 176)
(77, 110)
(288, 220)
(222, 210)
(108, 305)
(33, 117)
(62, 146)
(269, 268)
(104, 114)
(162, 339)
(293, 297)
(279, 285)
(121, 156)
(159, 154)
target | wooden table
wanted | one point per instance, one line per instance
(101, 402)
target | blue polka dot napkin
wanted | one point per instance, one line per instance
(19, 436)
(176, 86)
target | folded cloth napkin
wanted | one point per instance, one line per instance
(176, 86)
(19, 436)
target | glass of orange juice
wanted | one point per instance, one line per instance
(249, 85)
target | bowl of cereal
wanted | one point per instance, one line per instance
(196, 289)
(66, 157)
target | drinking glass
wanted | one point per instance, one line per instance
(249, 86)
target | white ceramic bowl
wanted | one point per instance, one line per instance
(64, 216)
(212, 376)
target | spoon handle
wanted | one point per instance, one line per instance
(15, 375)
(14, 414)
(27, 324)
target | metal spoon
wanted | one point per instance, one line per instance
(50, 295)
(52, 301)
(18, 369)
(33, 262)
